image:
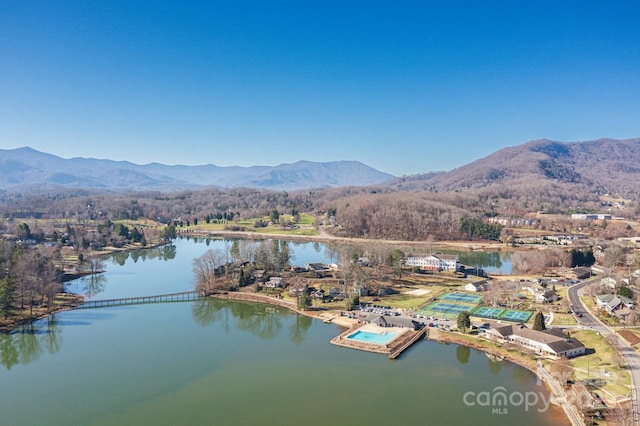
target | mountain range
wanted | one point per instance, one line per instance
(606, 165)
(26, 169)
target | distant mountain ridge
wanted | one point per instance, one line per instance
(607, 165)
(26, 168)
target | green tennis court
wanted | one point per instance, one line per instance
(487, 312)
(446, 309)
(461, 297)
(516, 316)
(502, 314)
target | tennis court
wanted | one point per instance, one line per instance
(461, 297)
(501, 314)
(516, 316)
(448, 310)
(487, 312)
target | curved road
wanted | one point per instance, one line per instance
(627, 351)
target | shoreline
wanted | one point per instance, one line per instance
(324, 315)
(325, 237)
(331, 317)
(435, 335)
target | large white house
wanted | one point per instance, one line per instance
(435, 263)
(552, 342)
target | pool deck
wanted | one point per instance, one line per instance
(403, 340)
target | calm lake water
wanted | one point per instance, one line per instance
(231, 363)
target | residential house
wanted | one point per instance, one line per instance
(579, 273)
(613, 302)
(299, 290)
(547, 296)
(477, 286)
(274, 282)
(608, 282)
(542, 294)
(364, 261)
(336, 293)
(553, 342)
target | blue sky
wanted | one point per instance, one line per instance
(405, 87)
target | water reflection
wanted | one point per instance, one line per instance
(298, 330)
(93, 284)
(165, 252)
(463, 353)
(29, 341)
(260, 320)
(495, 364)
(481, 259)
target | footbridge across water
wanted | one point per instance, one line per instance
(161, 298)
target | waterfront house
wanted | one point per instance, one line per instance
(553, 342)
(274, 282)
(298, 290)
(434, 263)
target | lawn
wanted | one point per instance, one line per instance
(305, 226)
(563, 319)
(602, 364)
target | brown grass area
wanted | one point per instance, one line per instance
(629, 336)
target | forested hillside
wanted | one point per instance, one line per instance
(603, 166)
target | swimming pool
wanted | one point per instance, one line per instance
(369, 337)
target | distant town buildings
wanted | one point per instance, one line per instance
(591, 216)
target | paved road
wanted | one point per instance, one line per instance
(627, 351)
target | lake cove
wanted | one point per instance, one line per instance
(225, 362)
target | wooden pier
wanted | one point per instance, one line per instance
(392, 349)
(161, 298)
(418, 334)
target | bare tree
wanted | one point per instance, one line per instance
(614, 255)
(208, 268)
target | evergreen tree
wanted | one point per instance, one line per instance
(625, 291)
(7, 294)
(352, 302)
(304, 300)
(538, 322)
(464, 321)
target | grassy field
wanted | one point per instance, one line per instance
(602, 364)
(305, 226)
(563, 319)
